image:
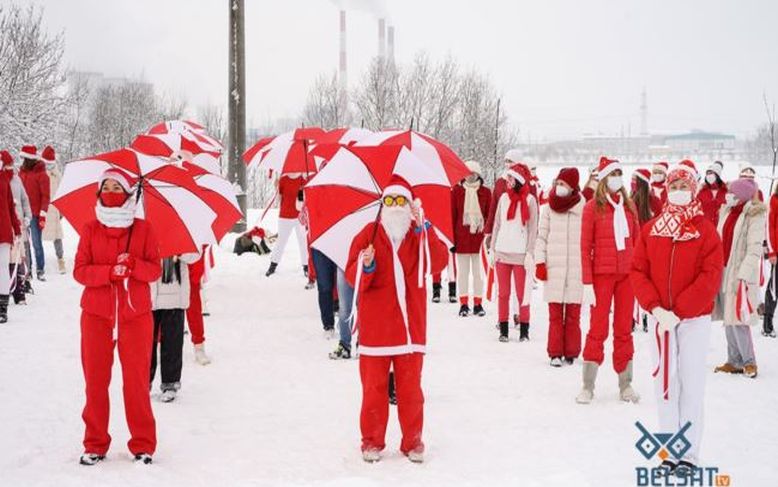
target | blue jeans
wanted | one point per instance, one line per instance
(325, 283)
(345, 296)
(37, 243)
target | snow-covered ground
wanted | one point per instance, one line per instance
(273, 410)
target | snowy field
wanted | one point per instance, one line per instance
(272, 409)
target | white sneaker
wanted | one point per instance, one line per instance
(585, 396)
(329, 334)
(61, 267)
(371, 456)
(200, 356)
(556, 362)
(168, 395)
(416, 456)
(628, 394)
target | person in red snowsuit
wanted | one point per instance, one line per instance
(384, 267)
(609, 229)
(658, 186)
(117, 258)
(676, 273)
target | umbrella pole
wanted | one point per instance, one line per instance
(375, 227)
(137, 200)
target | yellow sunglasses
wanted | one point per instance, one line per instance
(398, 200)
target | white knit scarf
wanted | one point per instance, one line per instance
(119, 217)
(620, 224)
(472, 216)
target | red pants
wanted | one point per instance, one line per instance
(504, 273)
(374, 372)
(97, 347)
(564, 330)
(616, 289)
(194, 314)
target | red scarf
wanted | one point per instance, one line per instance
(561, 205)
(676, 222)
(728, 230)
(517, 197)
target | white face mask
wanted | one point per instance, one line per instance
(658, 177)
(731, 199)
(710, 178)
(562, 191)
(614, 183)
(679, 197)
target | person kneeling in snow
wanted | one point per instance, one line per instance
(676, 271)
(384, 265)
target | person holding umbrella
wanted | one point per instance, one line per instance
(383, 263)
(290, 187)
(117, 258)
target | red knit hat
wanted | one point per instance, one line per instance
(570, 176)
(662, 166)
(606, 167)
(29, 152)
(125, 180)
(7, 159)
(643, 174)
(48, 154)
(399, 186)
(682, 171)
(689, 164)
(519, 172)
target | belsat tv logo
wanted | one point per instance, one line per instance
(672, 447)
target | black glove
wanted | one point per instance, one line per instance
(453, 250)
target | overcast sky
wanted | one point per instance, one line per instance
(563, 67)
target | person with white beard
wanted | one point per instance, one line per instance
(386, 261)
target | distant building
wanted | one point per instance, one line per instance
(699, 141)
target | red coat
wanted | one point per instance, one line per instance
(598, 243)
(288, 188)
(772, 227)
(683, 277)
(36, 184)
(464, 241)
(499, 188)
(710, 203)
(9, 222)
(382, 330)
(98, 249)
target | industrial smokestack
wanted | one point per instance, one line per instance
(342, 64)
(382, 38)
(390, 44)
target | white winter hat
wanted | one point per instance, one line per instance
(473, 166)
(746, 166)
(513, 155)
(716, 168)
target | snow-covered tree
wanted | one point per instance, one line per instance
(326, 107)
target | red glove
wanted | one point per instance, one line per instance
(541, 272)
(119, 272)
(127, 260)
(42, 221)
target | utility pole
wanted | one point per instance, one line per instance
(236, 111)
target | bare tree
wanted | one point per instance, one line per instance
(73, 141)
(119, 113)
(31, 79)
(325, 107)
(771, 135)
(377, 98)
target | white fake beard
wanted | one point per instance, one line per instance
(396, 221)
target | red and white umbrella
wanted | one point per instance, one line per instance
(181, 139)
(285, 153)
(169, 198)
(438, 155)
(346, 195)
(328, 144)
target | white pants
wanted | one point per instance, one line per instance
(285, 228)
(467, 263)
(683, 371)
(5, 270)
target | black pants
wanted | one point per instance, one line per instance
(769, 302)
(169, 332)
(326, 274)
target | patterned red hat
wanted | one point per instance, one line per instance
(689, 164)
(686, 173)
(606, 167)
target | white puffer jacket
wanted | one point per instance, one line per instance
(173, 295)
(559, 247)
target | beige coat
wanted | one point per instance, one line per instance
(744, 262)
(559, 247)
(53, 228)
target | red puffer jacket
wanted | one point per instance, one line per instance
(9, 222)
(772, 227)
(683, 277)
(710, 203)
(97, 252)
(598, 243)
(36, 184)
(464, 241)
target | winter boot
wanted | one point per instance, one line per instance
(271, 270)
(504, 331)
(340, 353)
(371, 455)
(589, 377)
(200, 356)
(89, 459)
(452, 292)
(392, 393)
(416, 455)
(478, 310)
(569, 360)
(61, 266)
(749, 371)
(3, 308)
(28, 285)
(305, 270)
(728, 368)
(41, 275)
(436, 292)
(143, 458)
(556, 361)
(524, 332)
(626, 392)
(464, 310)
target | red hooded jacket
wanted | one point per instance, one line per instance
(36, 184)
(464, 241)
(98, 249)
(382, 330)
(598, 242)
(683, 277)
(710, 203)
